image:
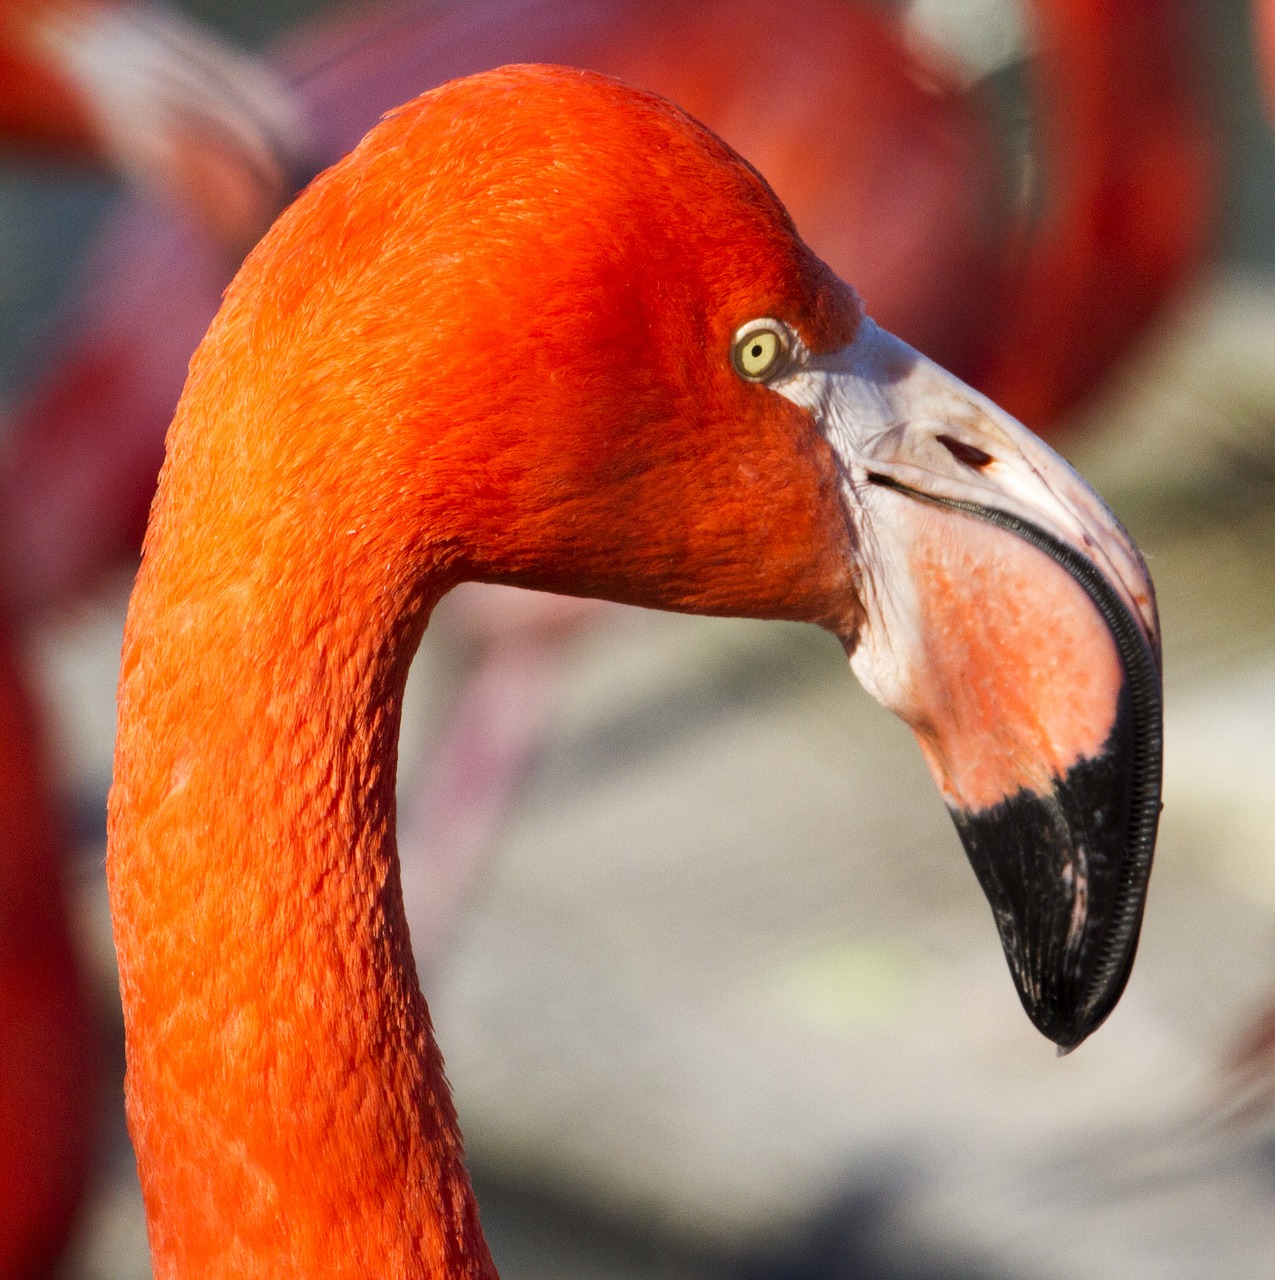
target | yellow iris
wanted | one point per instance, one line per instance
(759, 352)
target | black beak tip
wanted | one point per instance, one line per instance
(1065, 873)
(1073, 1011)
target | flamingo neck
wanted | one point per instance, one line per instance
(285, 1092)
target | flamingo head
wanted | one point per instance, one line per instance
(542, 328)
(145, 91)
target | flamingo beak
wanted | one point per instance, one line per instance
(1011, 622)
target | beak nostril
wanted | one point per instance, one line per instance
(965, 453)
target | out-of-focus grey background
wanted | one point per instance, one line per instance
(727, 1000)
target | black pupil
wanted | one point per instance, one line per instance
(756, 350)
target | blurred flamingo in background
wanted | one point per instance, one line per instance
(1247, 1083)
(142, 91)
(889, 164)
(1125, 160)
(48, 1060)
(1264, 42)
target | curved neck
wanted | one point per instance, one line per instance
(285, 1093)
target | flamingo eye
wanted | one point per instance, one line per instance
(761, 350)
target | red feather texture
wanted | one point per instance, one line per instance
(48, 111)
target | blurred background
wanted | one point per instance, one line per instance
(717, 990)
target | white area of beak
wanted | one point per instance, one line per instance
(150, 74)
(883, 406)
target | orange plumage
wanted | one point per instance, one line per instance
(890, 168)
(55, 58)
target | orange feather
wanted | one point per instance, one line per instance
(888, 167)
(48, 1067)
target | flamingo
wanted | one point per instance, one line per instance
(144, 91)
(542, 328)
(78, 474)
